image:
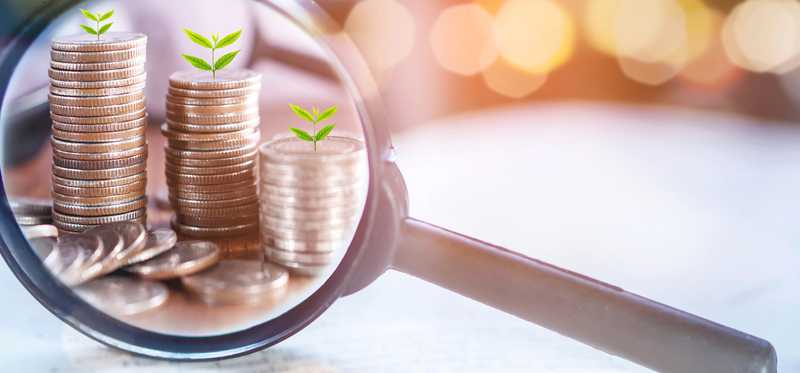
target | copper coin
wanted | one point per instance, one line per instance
(102, 174)
(133, 236)
(214, 232)
(95, 101)
(186, 258)
(250, 100)
(95, 92)
(241, 142)
(209, 170)
(66, 262)
(99, 120)
(43, 246)
(225, 79)
(216, 93)
(209, 110)
(98, 66)
(231, 211)
(209, 154)
(212, 128)
(237, 281)
(137, 187)
(228, 221)
(123, 296)
(111, 41)
(215, 188)
(30, 206)
(79, 228)
(100, 165)
(110, 136)
(223, 194)
(100, 210)
(215, 203)
(228, 118)
(94, 76)
(202, 137)
(99, 111)
(138, 79)
(94, 201)
(97, 220)
(100, 156)
(104, 183)
(177, 179)
(96, 249)
(182, 161)
(94, 57)
(158, 242)
(95, 128)
(107, 147)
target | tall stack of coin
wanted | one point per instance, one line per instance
(212, 133)
(310, 200)
(97, 105)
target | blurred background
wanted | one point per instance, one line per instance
(652, 144)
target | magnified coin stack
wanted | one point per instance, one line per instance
(310, 200)
(97, 107)
(212, 131)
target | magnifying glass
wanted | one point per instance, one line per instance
(598, 314)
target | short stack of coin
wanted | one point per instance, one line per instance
(97, 106)
(212, 131)
(310, 200)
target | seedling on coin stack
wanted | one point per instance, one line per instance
(98, 30)
(314, 117)
(214, 43)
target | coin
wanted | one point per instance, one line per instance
(95, 128)
(230, 211)
(208, 110)
(106, 147)
(246, 99)
(98, 66)
(102, 84)
(212, 128)
(100, 210)
(347, 212)
(95, 249)
(210, 170)
(111, 41)
(39, 231)
(237, 281)
(124, 240)
(216, 188)
(310, 234)
(189, 162)
(95, 101)
(248, 199)
(105, 199)
(65, 262)
(225, 79)
(95, 57)
(136, 187)
(30, 206)
(310, 183)
(186, 258)
(98, 111)
(213, 232)
(303, 246)
(96, 220)
(201, 137)
(95, 76)
(100, 156)
(307, 225)
(33, 220)
(176, 178)
(216, 221)
(141, 177)
(102, 174)
(242, 116)
(245, 141)
(158, 242)
(108, 119)
(313, 259)
(79, 228)
(99, 165)
(293, 150)
(209, 154)
(123, 296)
(302, 269)
(223, 194)
(216, 93)
(310, 202)
(95, 92)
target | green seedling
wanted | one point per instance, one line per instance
(315, 118)
(214, 43)
(98, 30)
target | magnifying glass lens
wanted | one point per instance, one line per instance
(181, 201)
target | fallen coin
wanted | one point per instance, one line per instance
(123, 296)
(186, 258)
(158, 242)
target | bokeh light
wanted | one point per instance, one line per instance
(510, 81)
(463, 39)
(534, 35)
(651, 30)
(711, 67)
(383, 30)
(650, 73)
(599, 20)
(762, 35)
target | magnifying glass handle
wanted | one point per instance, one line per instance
(601, 315)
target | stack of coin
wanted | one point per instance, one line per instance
(31, 211)
(310, 200)
(97, 105)
(212, 131)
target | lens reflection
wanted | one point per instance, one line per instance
(193, 204)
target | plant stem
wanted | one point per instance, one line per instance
(314, 135)
(98, 29)
(213, 70)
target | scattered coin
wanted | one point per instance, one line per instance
(237, 281)
(158, 242)
(39, 231)
(123, 296)
(186, 258)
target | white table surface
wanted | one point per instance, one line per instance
(696, 210)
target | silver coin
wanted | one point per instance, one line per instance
(30, 206)
(303, 269)
(186, 258)
(225, 79)
(313, 259)
(66, 262)
(303, 246)
(158, 242)
(309, 234)
(237, 281)
(301, 214)
(270, 222)
(33, 220)
(293, 150)
(123, 296)
(110, 41)
(39, 231)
